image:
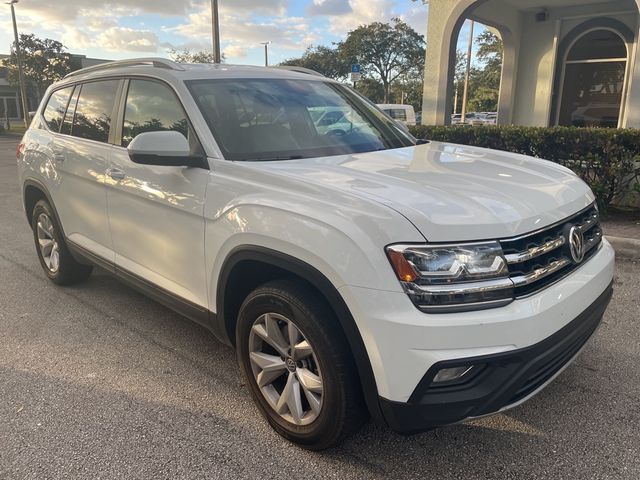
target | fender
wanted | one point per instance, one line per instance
(32, 182)
(327, 290)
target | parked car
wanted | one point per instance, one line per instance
(404, 114)
(360, 273)
(471, 118)
(490, 118)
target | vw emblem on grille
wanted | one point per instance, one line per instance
(576, 244)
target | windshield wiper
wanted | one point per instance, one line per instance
(273, 159)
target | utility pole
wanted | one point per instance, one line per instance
(23, 87)
(465, 95)
(455, 101)
(266, 52)
(215, 31)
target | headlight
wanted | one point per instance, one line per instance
(444, 278)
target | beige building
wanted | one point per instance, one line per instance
(566, 62)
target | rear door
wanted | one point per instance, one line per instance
(156, 213)
(80, 152)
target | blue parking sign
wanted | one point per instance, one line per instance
(355, 68)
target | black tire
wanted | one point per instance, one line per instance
(343, 411)
(68, 271)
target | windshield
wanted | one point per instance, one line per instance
(279, 119)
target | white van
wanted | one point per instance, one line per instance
(405, 114)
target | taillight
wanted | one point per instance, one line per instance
(19, 151)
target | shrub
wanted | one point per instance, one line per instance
(607, 159)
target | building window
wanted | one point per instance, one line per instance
(594, 80)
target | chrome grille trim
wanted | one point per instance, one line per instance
(540, 273)
(534, 252)
(591, 222)
(550, 245)
(541, 258)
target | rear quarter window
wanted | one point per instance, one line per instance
(56, 107)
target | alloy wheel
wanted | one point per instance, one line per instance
(49, 248)
(285, 369)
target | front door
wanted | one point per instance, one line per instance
(156, 213)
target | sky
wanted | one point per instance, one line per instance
(115, 29)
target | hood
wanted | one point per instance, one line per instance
(452, 192)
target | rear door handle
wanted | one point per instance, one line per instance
(116, 173)
(58, 157)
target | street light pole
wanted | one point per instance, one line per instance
(465, 94)
(23, 88)
(215, 31)
(266, 52)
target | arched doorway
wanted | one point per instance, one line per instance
(594, 79)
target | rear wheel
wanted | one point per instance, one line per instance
(56, 260)
(298, 365)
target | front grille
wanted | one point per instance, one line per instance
(539, 259)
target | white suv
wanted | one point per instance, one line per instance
(356, 272)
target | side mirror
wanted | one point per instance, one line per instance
(163, 148)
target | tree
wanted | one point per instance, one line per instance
(485, 81)
(324, 60)
(407, 90)
(44, 62)
(186, 56)
(372, 89)
(385, 51)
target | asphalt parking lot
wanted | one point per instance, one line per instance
(97, 381)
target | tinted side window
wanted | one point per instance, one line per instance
(93, 113)
(152, 107)
(56, 106)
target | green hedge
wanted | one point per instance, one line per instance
(607, 159)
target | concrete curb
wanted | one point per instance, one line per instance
(628, 248)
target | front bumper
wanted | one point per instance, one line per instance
(504, 379)
(402, 343)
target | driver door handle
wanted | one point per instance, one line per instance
(116, 173)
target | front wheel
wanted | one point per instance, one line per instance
(297, 364)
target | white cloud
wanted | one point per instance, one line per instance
(362, 12)
(67, 10)
(329, 7)
(235, 51)
(240, 32)
(119, 39)
(273, 7)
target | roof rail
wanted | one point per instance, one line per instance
(293, 68)
(151, 61)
